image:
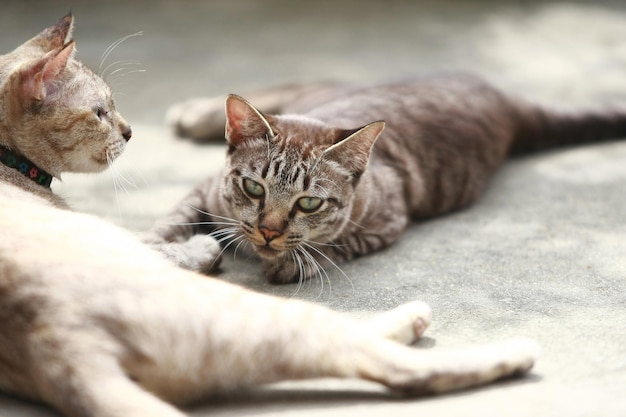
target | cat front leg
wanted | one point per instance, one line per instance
(182, 235)
(201, 253)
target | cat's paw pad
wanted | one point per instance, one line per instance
(404, 324)
(201, 253)
(198, 119)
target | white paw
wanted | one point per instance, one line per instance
(201, 253)
(404, 324)
(201, 118)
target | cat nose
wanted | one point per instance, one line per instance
(269, 234)
(127, 133)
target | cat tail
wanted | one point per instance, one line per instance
(539, 128)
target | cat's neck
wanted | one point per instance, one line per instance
(25, 167)
(11, 174)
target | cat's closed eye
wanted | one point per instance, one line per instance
(100, 112)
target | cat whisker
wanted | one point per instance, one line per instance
(352, 222)
(330, 261)
(224, 230)
(223, 234)
(203, 224)
(126, 69)
(117, 83)
(239, 238)
(243, 241)
(313, 264)
(119, 178)
(206, 213)
(296, 260)
(330, 244)
(110, 48)
(115, 184)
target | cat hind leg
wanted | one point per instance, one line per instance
(418, 372)
(86, 382)
(200, 119)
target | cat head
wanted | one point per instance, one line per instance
(290, 180)
(54, 110)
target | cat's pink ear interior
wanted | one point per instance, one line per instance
(354, 151)
(37, 79)
(244, 122)
(55, 36)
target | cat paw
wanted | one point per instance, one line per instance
(404, 324)
(200, 119)
(201, 253)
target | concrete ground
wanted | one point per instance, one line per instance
(542, 254)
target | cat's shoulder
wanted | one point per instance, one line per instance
(13, 187)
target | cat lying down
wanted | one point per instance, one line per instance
(313, 177)
(95, 323)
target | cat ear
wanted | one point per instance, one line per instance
(243, 121)
(354, 150)
(37, 79)
(55, 36)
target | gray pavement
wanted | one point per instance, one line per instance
(541, 254)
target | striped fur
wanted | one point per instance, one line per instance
(444, 138)
(96, 324)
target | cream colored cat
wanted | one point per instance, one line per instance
(94, 323)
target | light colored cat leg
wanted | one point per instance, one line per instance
(89, 383)
(404, 324)
(218, 337)
(417, 372)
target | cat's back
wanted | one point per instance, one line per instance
(409, 103)
(444, 135)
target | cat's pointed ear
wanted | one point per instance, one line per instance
(353, 151)
(37, 79)
(55, 36)
(244, 122)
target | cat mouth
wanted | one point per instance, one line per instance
(267, 251)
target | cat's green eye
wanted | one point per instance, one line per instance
(253, 188)
(309, 204)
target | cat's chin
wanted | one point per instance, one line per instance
(267, 252)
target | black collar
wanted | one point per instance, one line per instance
(24, 166)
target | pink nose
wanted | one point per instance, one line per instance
(269, 234)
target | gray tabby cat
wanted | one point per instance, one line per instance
(310, 187)
(97, 324)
